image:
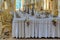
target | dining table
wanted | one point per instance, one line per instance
(32, 27)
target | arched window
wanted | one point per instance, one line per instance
(18, 4)
(1, 1)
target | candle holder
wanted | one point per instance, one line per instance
(32, 10)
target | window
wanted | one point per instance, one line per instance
(1, 1)
(18, 4)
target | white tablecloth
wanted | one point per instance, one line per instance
(37, 28)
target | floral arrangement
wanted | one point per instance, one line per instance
(54, 22)
(27, 22)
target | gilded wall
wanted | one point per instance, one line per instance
(10, 4)
(52, 5)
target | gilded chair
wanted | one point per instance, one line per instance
(6, 22)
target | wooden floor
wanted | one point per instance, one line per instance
(29, 39)
(10, 38)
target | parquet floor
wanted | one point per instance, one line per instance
(10, 38)
(27, 39)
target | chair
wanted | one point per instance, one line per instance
(6, 23)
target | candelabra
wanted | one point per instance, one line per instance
(32, 10)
